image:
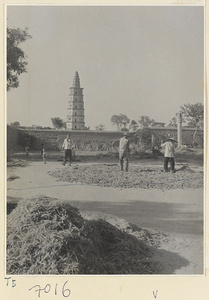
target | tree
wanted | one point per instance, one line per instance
(145, 121)
(100, 127)
(124, 120)
(116, 121)
(193, 114)
(58, 123)
(133, 125)
(173, 122)
(15, 124)
(120, 121)
(16, 63)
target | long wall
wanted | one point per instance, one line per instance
(89, 140)
(187, 135)
(83, 140)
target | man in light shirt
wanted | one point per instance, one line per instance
(124, 152)
(68, 146)
(169, 148)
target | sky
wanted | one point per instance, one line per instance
(133, 60)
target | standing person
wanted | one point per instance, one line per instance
(169, 147)
(27, 145)
(124, 152)
(42, 147)
(68, 146)
(44, 154)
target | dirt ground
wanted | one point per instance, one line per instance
(176, 213)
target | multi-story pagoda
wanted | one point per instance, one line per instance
(75, 117)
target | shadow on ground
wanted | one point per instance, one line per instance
(161, 216)
(165, 217)
(12, 203)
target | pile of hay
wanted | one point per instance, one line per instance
(109, 175)
(45, 236)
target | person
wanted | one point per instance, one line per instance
(44, 154)
(68, 147)
(124, 152)
(42, 147)
(27, 145)
(169, 148)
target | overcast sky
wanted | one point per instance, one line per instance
(135, 60)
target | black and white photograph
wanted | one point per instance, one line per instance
(105, 140)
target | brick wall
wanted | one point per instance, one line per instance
(90, 140)
(13, 137)
(83, 140)
(187, 135)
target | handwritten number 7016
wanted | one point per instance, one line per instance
(37, 288)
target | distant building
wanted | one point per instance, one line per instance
(158, 124)
(75, 117)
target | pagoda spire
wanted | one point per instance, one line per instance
(76, 117)
(76, 80)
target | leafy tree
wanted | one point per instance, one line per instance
(173, 122)
(116, 121)
(124, 120)
(120, 121)
(193, 114)
(133, 125)
(100, 127)
(145, 121)
(16, 63)
(15, 124)
(58, 123)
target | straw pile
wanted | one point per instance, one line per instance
(137, 177)
(152, 237)
(45, 236)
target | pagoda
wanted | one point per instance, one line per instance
(75, 117)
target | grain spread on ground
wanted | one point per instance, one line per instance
(109, 175)
(45, 236)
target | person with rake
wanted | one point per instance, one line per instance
(124, 152)
(169, 148)
(68, 148)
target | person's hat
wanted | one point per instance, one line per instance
(171, 139)
(125, 134)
